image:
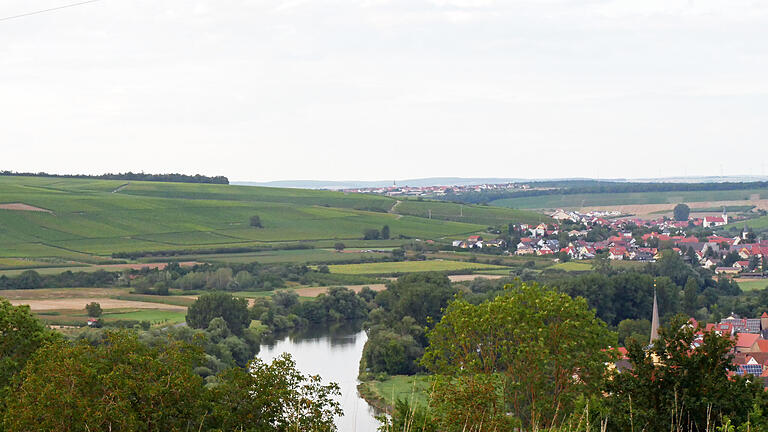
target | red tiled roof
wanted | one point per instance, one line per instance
(746, 340)
(761, 345)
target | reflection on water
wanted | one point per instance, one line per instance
(333, 352)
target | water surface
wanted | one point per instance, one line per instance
(333, 352)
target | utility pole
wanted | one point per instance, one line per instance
(430, 213)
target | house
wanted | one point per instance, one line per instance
(726, 270)
(715, 221)
(499, 243)
(560, 214)
(617, 253)
(457, 243)
(744, 341)
(741, 265)
(474, 239)
(525, 249)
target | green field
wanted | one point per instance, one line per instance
(753, 285)
(468, 213)
(154, 316)
(410, 267)
(757, 224)
(89, 219)
(573, 266)
(608, 199)
(415, 389)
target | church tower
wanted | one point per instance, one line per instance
(655, 318)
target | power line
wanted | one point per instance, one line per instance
(48, 10)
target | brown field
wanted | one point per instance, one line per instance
(651, 210)
(23, 207)
(61, 293)
(464, 278)
(316, 291)
(79, 304)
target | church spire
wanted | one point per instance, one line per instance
(655, 318)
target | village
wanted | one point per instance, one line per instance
(584, 236)
(437, 191)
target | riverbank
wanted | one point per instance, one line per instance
(382, 395)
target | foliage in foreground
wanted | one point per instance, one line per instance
(523, 359)
(125, 385)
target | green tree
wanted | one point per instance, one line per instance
(690, 296)
(517, 354)
(219, 304)
(21, 335)
(677, 382)
(93, 310)
(219, 280)
(119, 385)
(256, 222)
(272, 397)
(639, 329)
(339, 246)
(681, 212)
(385, 232)
(371, 234)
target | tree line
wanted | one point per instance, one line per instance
(132, 176)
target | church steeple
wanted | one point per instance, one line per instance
(655, 318)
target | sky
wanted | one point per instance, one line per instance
(261, 90)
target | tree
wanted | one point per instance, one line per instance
(272, 397)
(690, 296)
(22, 335)
(256, 221)
(122, 384)
(385, 232)
(639, 329)
(219, 304)
(681, 212)
(219, 280)
(118, 385)
(516, 354)
(691, 386)
(93, 309)
(371, 234)
(339, 246)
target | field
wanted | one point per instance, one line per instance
(88, 220)
(66, 306)
(415, 389)
(613, 199)
(409, 267)
(468, 213)
(752, 284)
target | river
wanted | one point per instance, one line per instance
(333, 352)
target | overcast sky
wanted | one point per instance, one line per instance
(380, 89)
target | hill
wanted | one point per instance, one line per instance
(85, 220)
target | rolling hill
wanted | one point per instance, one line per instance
(84, 220)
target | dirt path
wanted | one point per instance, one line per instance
(393, 209)
(23, 207)
(121, 187)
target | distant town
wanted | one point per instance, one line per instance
(436, 191)
(583, 236)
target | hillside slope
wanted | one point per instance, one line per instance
(81, 218)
